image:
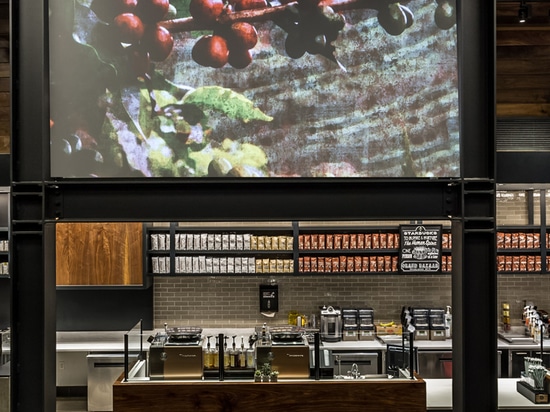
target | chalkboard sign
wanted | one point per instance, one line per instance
(420, 248)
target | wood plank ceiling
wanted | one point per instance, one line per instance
(523, 60)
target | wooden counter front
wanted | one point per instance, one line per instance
(287, 396)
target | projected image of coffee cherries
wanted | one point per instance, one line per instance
(70, 152)
(311, 28)
(445, 14)
(210, 51)
(228, 44)
(206, 11)
(135, 24)
(395, 18)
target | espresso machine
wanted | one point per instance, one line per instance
(331, 324)
(176, 353)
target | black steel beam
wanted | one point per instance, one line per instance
(261, 200)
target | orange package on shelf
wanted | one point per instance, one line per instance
(376, 241)
(372, 264)
(345, 241)
(338, 241)
(365, 266)
(321, 241)
(328, 264)
(321, 264)
(330, 241)
(357, 263)
(383, 237)
(353, 241)
(342, 264)
(360, 241)
(350, 264)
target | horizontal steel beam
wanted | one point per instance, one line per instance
(249, 200)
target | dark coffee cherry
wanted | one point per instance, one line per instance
(206, 11)
(393, 19)
(294, 47)
(152, 11)
(158, 42)
(219, 167)
(210, 51)
(129, 28)
(107, 10)
(139, 62)
(239, 58)
(445, 16)
(105, 40)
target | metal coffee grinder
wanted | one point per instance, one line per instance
(331, 324)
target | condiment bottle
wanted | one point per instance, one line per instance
(207, 355)
(250, 356)
(226, 356)
(242, 354)
(233, 355)
(215, 354)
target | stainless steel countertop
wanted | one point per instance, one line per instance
(114, 341)
(439, 393)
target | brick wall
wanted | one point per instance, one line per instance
(233, 301)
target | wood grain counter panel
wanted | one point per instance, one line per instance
(287, 396)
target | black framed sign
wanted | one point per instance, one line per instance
(420, 248)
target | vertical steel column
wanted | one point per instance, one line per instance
(475, 385)
(33, 296)
(474, 297)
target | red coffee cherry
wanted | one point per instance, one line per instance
(239, 58)
(129, 28)
(107, 10)
(242, 35)
(206, 11)
(210, 51)
(158, 41)
(250, 4)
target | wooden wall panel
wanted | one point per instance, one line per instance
(4, 79)
(99, 254)
(523, 36)
(523, 71)
(522, 61)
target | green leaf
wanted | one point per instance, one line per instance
(226, 101)
(236, 154)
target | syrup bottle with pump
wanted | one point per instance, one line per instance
(215, 354)
(242, 355)
(207, 355)
(448, 323)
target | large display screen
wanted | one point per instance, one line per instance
(253, 88)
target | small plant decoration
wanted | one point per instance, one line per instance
(266, 371)
(258, 375)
